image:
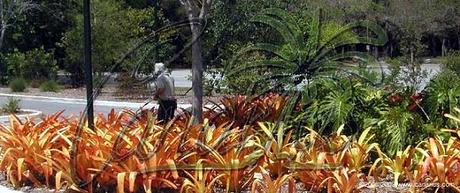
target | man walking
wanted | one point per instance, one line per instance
(164, 93)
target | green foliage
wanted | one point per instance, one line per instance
(453, 62)
(396, 118)
(115, 29)
(39, 65)
(18, 85)
(442, 96)
(11, 106)
(49, 86)
(12, 62)
(394, 124)
(330, 103)
(36, 64)
(246, 82)
(305, 53)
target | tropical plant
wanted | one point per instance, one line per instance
(455, 117)
(306, 53)
(242, 110)
(200, 181)
(267, 185)
(395, 124)
(279, 151)
(441, 161)
(453, 62)
(442, 96)
(237, 164)
(399, 166)
(11, 106)
(343, 181)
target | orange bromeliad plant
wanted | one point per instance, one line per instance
(267, 185)
(131, 152)
(398, 166)
(279, 151)
(27, 148)
(441, 161)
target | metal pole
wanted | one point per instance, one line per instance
(157, 26)
(88, 65)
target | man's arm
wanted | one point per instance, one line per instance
(159, 88)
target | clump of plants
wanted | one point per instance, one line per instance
(49, 86)
(453, 62)
(18, 85)
(130, 153)
(11, 106)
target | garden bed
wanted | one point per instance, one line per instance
(250, 152)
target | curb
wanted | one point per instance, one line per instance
(134, 105)
(31, 114)
(96, 102)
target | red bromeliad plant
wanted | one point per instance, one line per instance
(242, 110)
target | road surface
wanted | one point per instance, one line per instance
(48, 106)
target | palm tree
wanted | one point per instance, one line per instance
(304, 54)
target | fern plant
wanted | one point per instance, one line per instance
(305, 53)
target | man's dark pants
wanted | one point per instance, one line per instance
(166, 109)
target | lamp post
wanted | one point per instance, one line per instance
(88, 65)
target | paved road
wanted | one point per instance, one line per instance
(47, 106)
(52, 106)
(182, 78)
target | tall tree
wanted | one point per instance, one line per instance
(197, 10)
(9, 11)
(115, 29)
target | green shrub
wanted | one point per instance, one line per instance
(11, 106)
(18, 85)
(36, 64)
(49, 86)
(453, 62)
(442, 96)
(12, 64)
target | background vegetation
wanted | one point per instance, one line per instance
(426, 28)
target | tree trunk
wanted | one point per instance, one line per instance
(197, 73)
(433, 46)
(2, 36)
(2, 24)
(411, 55)
(391, 50)
(443, 47)
(458, 41)
(376, 52)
